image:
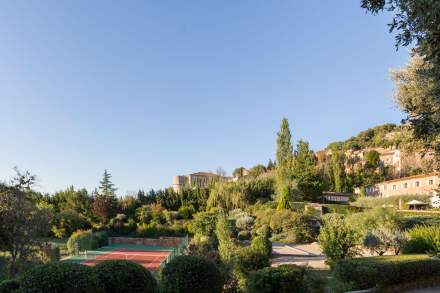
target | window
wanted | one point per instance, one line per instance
(394, 187)
(417, 183)
(384, 187)
(405, 185)
(431, 182)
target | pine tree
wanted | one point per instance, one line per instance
(106, 187)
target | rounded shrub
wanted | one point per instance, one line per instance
(247, 260)
(191, 274)
(282, 279)
(125, 276)
(9, 286)
(60, 277)
(262, 244)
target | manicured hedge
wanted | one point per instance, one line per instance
(282, 279)
(125, 276)
(340, 209)
(383, 271)
(60, 277)
(191, 274)
(9, 286)
(86, 240)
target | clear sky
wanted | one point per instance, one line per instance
(152, 89)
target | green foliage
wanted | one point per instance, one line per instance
(86, 240)
(262, 244)
(423, 239)
(383, 271)
(257, 170)
(186, 212)
(125, 276)
(204, 223)
(150, 213)
(283, 279)
(104, 207)
(247, 260)
(223, 231)
(340, 209)
(49, 252)
(107, 188)
(22, 222)
(243, 220)
(10, 286)
(370, 220)
(73, 200)
(244, 235)
(306, 172)
(53, 278)
(338, 169)
(289, 226)
(240, 194)
(190, 274)
(284, 155)
(67, 222)
(195, 197)
(382, 239)
(391, 201)
(338, 238)
(414, 26)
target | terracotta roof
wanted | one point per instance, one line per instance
(206, 174)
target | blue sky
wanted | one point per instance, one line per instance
(151, 89)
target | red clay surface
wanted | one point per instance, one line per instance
(150, 259)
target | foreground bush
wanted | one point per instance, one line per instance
(283, 279)
(247, 260)
(61, 277)
(191, 274)
(384, 271)
(9, 286)
(262, 244)
(423, 239)
(338, 239)
(125, 276)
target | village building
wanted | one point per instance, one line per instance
(199, 179)
(424, 184)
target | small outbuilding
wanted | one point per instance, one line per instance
(417, 205)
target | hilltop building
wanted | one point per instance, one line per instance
(424, 184)
(199, 179)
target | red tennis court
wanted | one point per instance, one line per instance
(150, 259)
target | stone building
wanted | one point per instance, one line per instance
(199, 179)
(424, 184)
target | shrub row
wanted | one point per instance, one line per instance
(106, 277)
(383, 271)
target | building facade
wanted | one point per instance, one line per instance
(424, 184)
(199, 179)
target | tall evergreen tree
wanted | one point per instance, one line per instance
(338, 170)
(284, 164)
(306, 172)
(106, 188)
(284, 151)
